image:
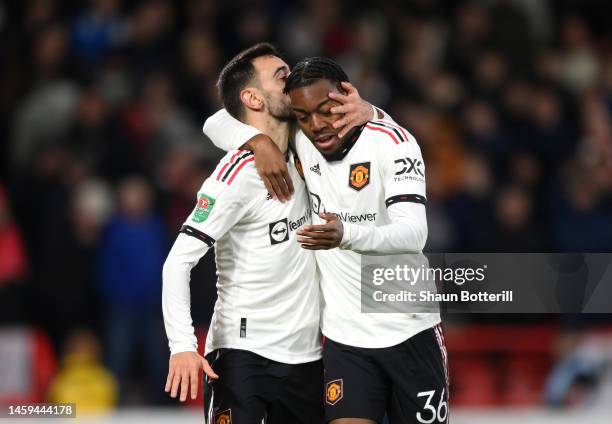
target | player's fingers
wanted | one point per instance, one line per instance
(184, 385)
(349, 88)
(276, 188)
(209, 371)
(315, 229)
(314, 247)
(306, 237)
(314, 242)
(288, 181)
(269, 187)
(339, 97)
(342, 122)
(194, 383)
(169, 379)
(328, 216)
(341, 109)
(352, 123)
(176, 382)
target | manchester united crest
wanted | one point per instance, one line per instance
(333, 391)
(224, 417)
(359, 175)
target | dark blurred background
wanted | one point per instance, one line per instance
(102, 153)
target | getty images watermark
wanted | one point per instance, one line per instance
(487, 283)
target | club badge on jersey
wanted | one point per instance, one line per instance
(359, 175)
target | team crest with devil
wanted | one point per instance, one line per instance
(333, 391)
(224, 417)
(359, 175)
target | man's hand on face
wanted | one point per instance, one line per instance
(356, 110)
(271, 167)
(183, 373)
(322, 237)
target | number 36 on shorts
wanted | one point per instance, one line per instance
(432, 413)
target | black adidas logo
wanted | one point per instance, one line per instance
(316, 169)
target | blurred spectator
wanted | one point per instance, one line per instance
(483, 132)
(65, 274)
(94, 139)
(472, 208)
(13, 265)
(82, 379)
(27, 365)
(581, 375)
(151, 43)
(514, 229)
(582, 213)
(579, 62)
(130, 260)
(98, 30)
(42, 120)
(200, 67)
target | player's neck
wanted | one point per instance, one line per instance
(277, 130)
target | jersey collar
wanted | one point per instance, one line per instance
(348, 145)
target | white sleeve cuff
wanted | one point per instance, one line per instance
(226, 132)
(345, 243)
(179, 347)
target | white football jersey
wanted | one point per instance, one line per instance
(380, 167)
(268, 286)
(376, 185)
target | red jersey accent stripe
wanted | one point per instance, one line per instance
(228, 163)
(384, 131)
(251, 159)
(222, 170)
(402, 130)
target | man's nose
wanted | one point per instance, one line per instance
(317, 123)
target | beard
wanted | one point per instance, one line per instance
(279, 109)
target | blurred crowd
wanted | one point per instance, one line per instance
(102, 151)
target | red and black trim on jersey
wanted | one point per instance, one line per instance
(194, 232)
(395, 132)
(232, 167)
(412, 198)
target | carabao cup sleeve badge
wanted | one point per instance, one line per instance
(203, 208)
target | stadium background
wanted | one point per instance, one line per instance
(102, 154)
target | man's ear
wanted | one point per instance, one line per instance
(252, 99)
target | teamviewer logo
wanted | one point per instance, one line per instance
(279, 231)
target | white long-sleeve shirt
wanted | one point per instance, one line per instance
(377, 188)
(268, 287)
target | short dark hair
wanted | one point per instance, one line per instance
(309, 71)
(238, 72)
